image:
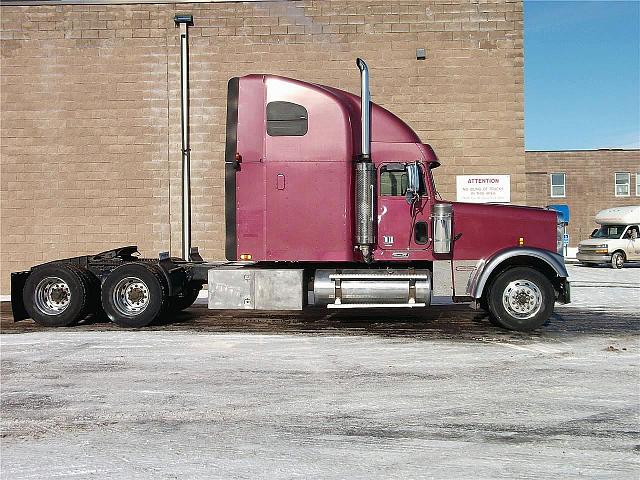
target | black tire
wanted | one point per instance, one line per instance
(617, 260)
(93, 289)
(58, 295)
(186, 299)
(521, 299)
(134, 295)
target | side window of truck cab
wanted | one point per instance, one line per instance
(393, 183)
(394, 180)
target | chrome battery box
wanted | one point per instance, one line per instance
(256, 289)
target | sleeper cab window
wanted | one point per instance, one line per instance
(286, 119)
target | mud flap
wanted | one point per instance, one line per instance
(18, 279)
(565, 292)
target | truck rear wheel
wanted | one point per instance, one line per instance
(58, 295)
(134, 295)
(521, 299)
(188, 297)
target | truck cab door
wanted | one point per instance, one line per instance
(396, 229)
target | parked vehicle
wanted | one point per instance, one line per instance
(616, 242)
(329, 201)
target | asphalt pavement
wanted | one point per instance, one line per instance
(433, 394)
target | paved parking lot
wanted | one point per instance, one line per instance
(434, 394)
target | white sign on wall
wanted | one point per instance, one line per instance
(483, 188)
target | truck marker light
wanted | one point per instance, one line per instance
(245, 256)
(521, 241)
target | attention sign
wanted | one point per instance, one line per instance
(483, 188)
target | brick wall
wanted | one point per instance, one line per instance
(589, 183)
(90, 112)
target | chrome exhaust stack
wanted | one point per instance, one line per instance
(188, 252)
(365, 174)
(365, 109)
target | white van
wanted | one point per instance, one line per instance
(616, 241)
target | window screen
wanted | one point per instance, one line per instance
(558, 185)
(623, 181)
(286, 119)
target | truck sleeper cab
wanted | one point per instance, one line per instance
(330, 201)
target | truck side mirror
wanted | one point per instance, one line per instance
(413, 180)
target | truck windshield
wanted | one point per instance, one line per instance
(609, 231)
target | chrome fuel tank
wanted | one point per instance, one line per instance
(371, 288)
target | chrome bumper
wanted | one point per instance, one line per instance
(593, 257)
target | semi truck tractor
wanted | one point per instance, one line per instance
(329, 201)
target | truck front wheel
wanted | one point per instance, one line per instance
(58, 295)
(617, 260)
(134, 295)
(521, 299)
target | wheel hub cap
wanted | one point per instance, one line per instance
(131, 296)
(522, 299)
(52, 296)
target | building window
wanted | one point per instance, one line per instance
(637, 184)
(557, 185)
(623, 182)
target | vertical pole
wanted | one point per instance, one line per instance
(184, 21)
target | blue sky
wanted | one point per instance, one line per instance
(582, 74)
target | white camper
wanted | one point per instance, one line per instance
(616, 241)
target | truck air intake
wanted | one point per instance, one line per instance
(365, 175)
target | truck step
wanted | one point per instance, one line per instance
(376, 305)
(384, 275)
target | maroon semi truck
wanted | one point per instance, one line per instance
(330, 201)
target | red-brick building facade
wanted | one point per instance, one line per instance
(586, 180)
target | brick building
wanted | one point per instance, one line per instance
(90, 154)
(586, 180)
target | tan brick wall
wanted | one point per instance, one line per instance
(589, 183)
(91, 121)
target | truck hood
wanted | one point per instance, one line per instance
(484, 228)
(592, 242)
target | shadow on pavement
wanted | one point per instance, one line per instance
(451, 322)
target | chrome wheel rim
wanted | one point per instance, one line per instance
(52, 296)
(131, 296)
(522, 299)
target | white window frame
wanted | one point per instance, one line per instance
(637, 184)
(615, 184)
(563, 185)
